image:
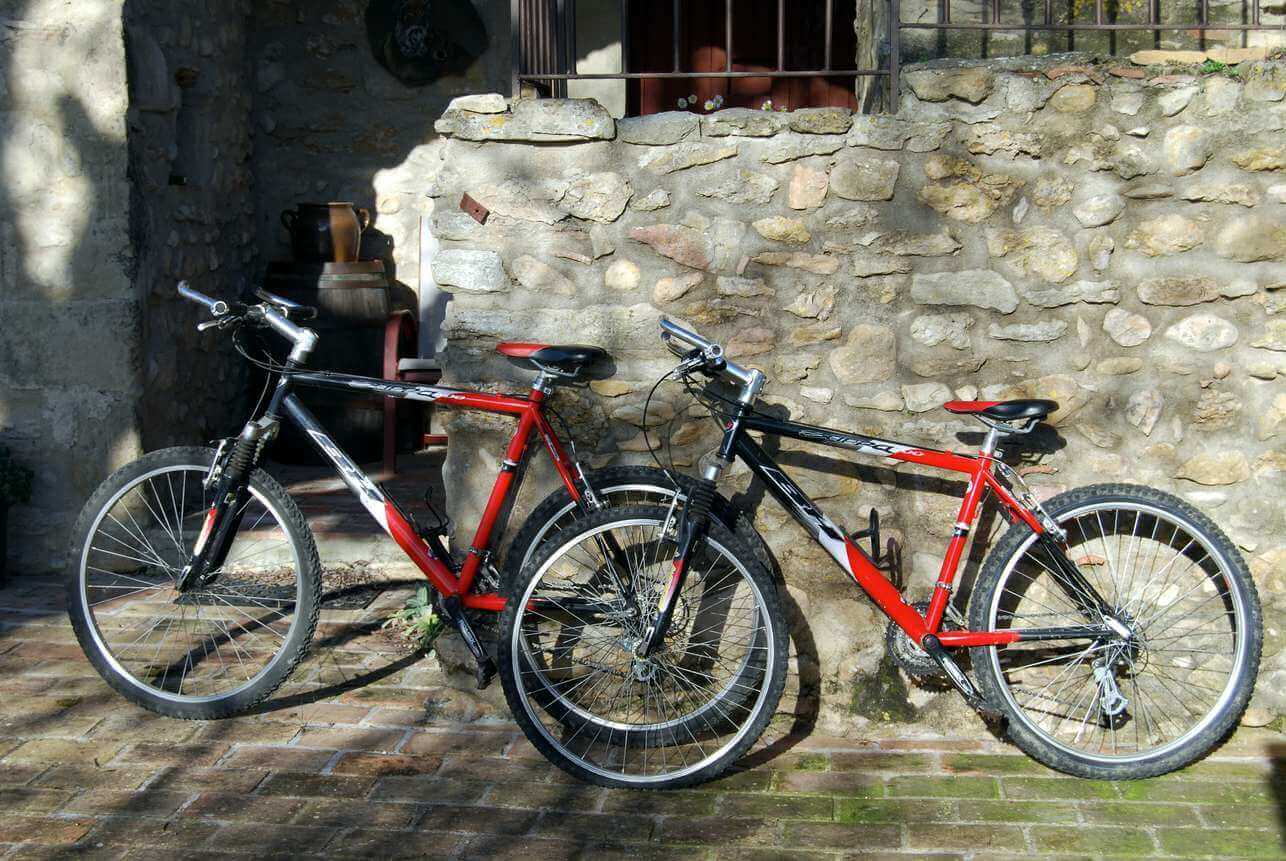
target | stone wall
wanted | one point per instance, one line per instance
(192, 208)
(70, 319)
(1109, 235)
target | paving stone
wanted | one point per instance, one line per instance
(488, 847)
(283, 758)
(989, 764)
(318, 785)
(1174, 789)
(1134, 812)
(660, 803)
(244, 807)
(44, 830)
(180, 755)
(250, 837)
(1113, 841)
(240, 780)
(902, 763)
(831, 783)
(776, 806)
(717, 830)
(893, 810)
(1237, 815)
(55, 750)
(842, 835)
(595, 827)
(383, 843)
(422, 789)
(1015, 811)
(973, 837)
(565, 797)
(350, 813)
(1058, 788)
(30, 800)
(945, 787)
(386, 764)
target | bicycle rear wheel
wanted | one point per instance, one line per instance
(1113, 708)
(208, 652)
(595, 709)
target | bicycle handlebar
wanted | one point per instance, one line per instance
(216, 307)
(303, 339)
(751, 380)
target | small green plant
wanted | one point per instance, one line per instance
(1214, 67)
(416, 622)
(15, 480)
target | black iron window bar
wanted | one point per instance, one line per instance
(544, 39)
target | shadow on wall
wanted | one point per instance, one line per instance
(70, 356)
(332, 124)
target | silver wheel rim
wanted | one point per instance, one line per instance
(518, 655)
(227, 653)
(1139, 592)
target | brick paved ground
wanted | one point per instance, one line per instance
(347, 761)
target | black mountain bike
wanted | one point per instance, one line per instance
(1114, 629)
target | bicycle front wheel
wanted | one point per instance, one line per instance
(590, 704)
(1121, 708)
(207, 652)
(617, 486)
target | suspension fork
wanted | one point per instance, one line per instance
(223, 518)
(693, 528)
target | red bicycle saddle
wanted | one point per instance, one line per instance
(1005, 411)
(576, 361)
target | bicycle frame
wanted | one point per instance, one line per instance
(530, 414)
(855, 561)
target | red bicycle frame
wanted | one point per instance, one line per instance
(855, 561)
(530, 413)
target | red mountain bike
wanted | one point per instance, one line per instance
(1114, 629)
(195, 583)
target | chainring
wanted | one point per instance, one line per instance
(914, 661)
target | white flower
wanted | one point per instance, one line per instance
(718, 101)
(683, 103)
(766, 106)
(710, 104)
(692, 99)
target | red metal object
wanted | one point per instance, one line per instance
(968, 406)
(887, 596)
(531, 421)
(519, 349)
(401, 332)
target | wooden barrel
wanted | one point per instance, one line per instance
(344, 294)
(353, 302)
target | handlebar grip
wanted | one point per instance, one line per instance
(687, 336)
(214, 306)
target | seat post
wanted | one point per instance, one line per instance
(989, 444)
(542, 384)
